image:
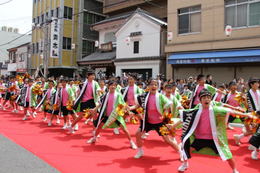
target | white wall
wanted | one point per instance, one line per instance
(154, 65)
(22, 50)
(149, 44)
(103, 32)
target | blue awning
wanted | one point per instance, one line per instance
(234, 56)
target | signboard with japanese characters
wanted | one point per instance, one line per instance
(214, 60)
(55, 38)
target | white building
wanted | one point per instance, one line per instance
(102, 60)
(140, 45)
(19, 59)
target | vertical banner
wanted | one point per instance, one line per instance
(55, 37)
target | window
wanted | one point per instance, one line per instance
(88, 47)
(66, 43)
(90, 18)
(38, 20)
(33, 51)
(37, 47)
(46, 16)
(109, 37)
(57, 12)
(21, 56)
(42, 19)
(242, 13)
(67, 12)
(136, 47)
(52, 13)
(189, 19)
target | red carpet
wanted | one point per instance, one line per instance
(70, 153)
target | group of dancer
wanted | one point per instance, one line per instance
(203, 114)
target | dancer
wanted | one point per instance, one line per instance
(108, 106)
(200, 86)
(67, 97)
(87, 99)
(253, 104)
(230, 99)
(154, 104)
(207, 124)
(28, 98)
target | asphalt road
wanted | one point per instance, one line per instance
(15, 159)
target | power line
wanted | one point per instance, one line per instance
(6, 2)
(16, 38)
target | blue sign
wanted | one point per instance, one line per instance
(214, 60)
(240, 56)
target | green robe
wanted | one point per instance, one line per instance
(118, 99)
(217, 117)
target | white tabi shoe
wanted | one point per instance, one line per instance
(34, 114)
(65, 127)
(76, 127)
(92, 140)
(49, 124)
(24, 118)
(251, 147)
(235, 171)
(58, 121)
(145, 135)
(237, 139)
(28, 114)
(71, 130)
(254, 155)
(139, 154)
(116, 131)
(183, 167)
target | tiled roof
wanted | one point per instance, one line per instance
(5, 37)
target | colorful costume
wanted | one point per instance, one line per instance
(217, 117)
(103, 117)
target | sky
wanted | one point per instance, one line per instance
(17, 14)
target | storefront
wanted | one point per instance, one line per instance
(222, 65)
(101, 62)
(146, 68)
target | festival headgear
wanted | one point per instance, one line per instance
(253, 80)
(204, 92)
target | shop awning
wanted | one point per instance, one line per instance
(216, 57)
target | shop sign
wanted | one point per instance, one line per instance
(106, 47)
(55, 37)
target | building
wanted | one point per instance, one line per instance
(140, 45)
(102, 60)
(19, 59)
(61, 34)
(155, 7)
(197, 42)
(116, 12)
(7, 35)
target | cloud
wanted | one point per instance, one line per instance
(18, 14)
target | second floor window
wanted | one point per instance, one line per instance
(136, 47)
(67, 12)
(242, 13)
(88, 47)
(189, 19)
(90, 18)
(66, 43)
